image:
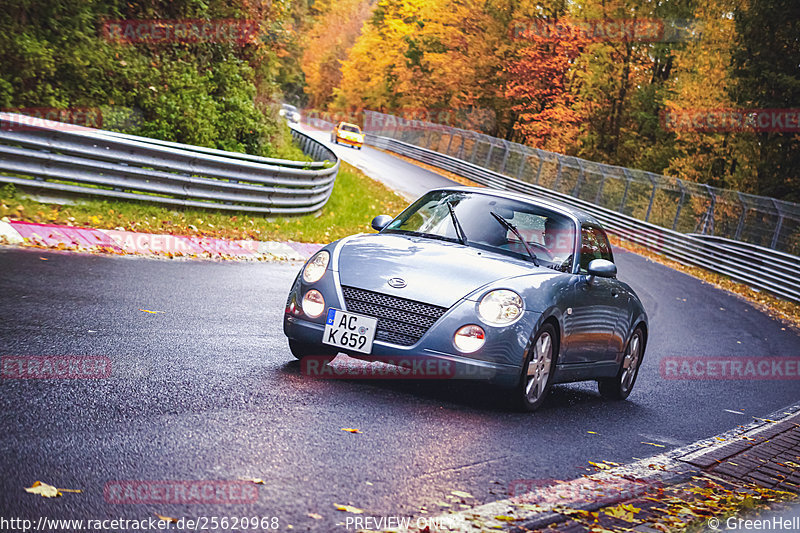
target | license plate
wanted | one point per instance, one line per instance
(351, 331)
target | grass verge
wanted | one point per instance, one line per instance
(356, 199)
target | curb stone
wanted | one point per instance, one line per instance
(120, 242)
(540, 507)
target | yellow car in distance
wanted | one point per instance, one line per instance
(349, 134)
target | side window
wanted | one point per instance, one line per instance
(594, 245)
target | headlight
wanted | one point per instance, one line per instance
(296, 117)
(315, 268)
(500, 307)
(469, 338)
(313, 303)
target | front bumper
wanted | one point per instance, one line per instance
(350, 142)
(499, 360)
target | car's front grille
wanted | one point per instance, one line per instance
(400, 321)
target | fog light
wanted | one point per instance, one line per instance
(469, 338)
(313, 303)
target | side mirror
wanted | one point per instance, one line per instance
(380, 222)
(602, 268)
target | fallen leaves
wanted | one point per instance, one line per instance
(256, 480)
(622, 511)
(47, 491)
(351, 430)
(654, 444)
(166, 518)
(149, 311)
(348, 508)
(461, 494)
(315, 516)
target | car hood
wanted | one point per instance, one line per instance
(435, 272)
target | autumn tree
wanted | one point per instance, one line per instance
(539, 85)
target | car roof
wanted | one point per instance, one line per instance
(580, 216)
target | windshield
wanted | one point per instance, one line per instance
(549, 235)
(291, 108)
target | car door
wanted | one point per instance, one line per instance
(598, 306)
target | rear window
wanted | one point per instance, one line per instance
(350, 128)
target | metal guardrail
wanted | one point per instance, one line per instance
(760, 268)
(67, 159)
(666, 201)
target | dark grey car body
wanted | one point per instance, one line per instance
(593, 316)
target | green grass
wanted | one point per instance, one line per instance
(356, 199)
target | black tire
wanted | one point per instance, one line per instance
(303, 349)
(531, 392)
(620, 387)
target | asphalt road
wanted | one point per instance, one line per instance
(403, 177)
(206, 389)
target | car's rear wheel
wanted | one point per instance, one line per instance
(620, 387)
(538, 369)
(301, 350)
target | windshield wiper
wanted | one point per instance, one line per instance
(462, 237)
(508, 225)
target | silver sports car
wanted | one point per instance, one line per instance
(475, 283)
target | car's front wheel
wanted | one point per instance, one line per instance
(301, 350)
(538, 369)
(619, 387)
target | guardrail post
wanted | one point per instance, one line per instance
(489, 156)
(740, 225)
(628, 179)
(577, 188)
(541, 164)
(522, 160)
(505, 159)
(652, 197)
(449, 142)
(708, 219)
(558, 173)
(680, 203)
(600, 189)
(778, 228)
(474, 150)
